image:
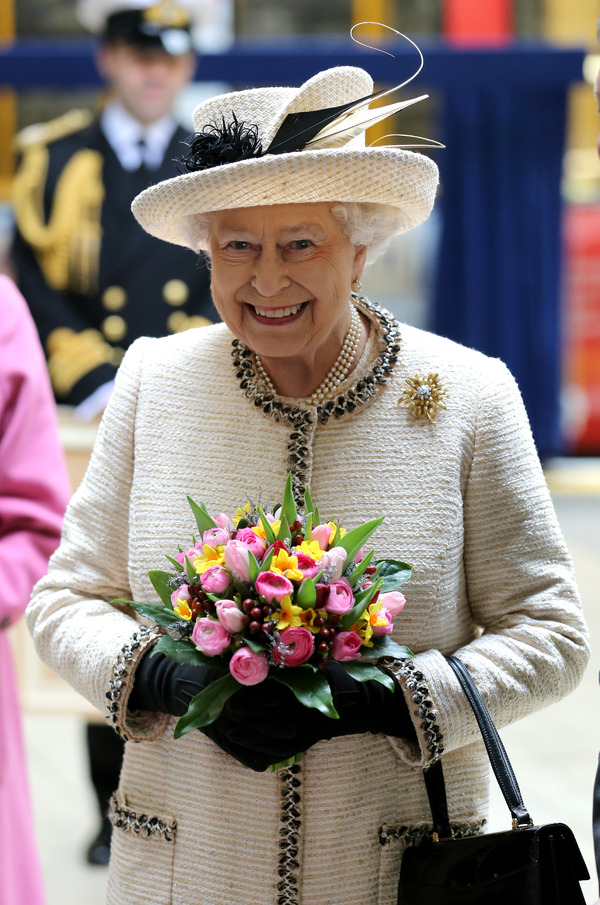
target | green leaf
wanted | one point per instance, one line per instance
(308, 503)
(362, 602)
(284, 533)
(175, 562)
(310, 687)
(256, 646)
(366, 672)
(269, 533)
(155, 611)
(184, 652)
(253, 566)
(206, 707)
(160, 583)
(308, 527)
(306, 595)
(353, 540)
(203, 519)
(266, 563)
(384, 646)
(394, 573)
(190, 571)
(335, 540)
(354, 576)
(288, 506)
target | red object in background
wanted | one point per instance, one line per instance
(581, 329)
(478, 21)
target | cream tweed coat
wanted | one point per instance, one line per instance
(465, 502)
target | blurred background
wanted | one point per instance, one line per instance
(509, 263)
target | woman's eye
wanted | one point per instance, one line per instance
(301, 244)
(239, 245)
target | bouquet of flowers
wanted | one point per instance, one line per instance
(276, 594)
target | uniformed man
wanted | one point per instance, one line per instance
(94, 280)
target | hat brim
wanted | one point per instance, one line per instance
(402, 179)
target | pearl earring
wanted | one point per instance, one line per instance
(356, 285)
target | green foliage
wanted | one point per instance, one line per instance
(353, 540)
(394, 573)
(161, 584)
(206, 707)
(203, 519)
(310, 687)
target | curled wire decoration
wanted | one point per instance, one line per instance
(427, 142)
(387, 52)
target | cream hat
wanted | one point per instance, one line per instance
(269, 146)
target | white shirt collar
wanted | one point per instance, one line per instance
(123, 132)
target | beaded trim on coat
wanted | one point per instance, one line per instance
(424, 715)
(289, 845)
(122, 672)
(415, 835)
(300, 415)
(131, 821)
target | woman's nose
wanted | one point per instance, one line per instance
(270, 273)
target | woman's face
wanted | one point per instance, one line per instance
(281, 278)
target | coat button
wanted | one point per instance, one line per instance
(114, 328)
(175, 293)
(114, 298)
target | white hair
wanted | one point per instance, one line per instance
(363, 223)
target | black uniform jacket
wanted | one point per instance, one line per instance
(138, 285)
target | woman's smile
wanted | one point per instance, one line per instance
(277, 316)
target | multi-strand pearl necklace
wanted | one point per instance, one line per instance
(337, 372)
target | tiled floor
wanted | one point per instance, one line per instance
(554, 752)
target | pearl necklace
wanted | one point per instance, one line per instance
(337, 372)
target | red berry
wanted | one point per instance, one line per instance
(256, 612)
(248, 604)
(297, 540)
(370, 570)
(323, 648)
(254, 627)
(324, 633)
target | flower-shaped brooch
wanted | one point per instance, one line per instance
(424, 396)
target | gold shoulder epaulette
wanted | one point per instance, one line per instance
(44, 133)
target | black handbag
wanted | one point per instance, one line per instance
(528, 865)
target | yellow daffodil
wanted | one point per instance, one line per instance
(311, 548)
(242, 512)
(288, 614)
(183, 609)
(284, 564)
(307, 618)
(334, 528)
(210, 557)
(364, 629)
(373, 615)
(260, 531)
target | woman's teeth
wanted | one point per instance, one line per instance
(278, 312)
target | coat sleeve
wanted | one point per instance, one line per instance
(77, 631)
(531, 647)
(34, 488)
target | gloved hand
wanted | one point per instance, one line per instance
(163, 686)
(266, 724)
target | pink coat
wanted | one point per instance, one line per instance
(34, 491)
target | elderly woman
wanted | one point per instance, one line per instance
(306, 375)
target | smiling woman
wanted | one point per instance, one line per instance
(305, 375)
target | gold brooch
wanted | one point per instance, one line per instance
(424, 396)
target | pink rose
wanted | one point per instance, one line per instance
(322, 534)
(333, 560)
(307, 565)
(247, 667)
(300, 644)
(346, 646)
(340, 599)
(210, 637)
(215, 580)
(393, 602)
(215, 537)
(387, 627)
(231, 617)
(254, 543)
(182, 593)
(273, 586)
(237, 560)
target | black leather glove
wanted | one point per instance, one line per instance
(163, 686)
(266, 723)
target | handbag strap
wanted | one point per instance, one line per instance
(503, 771)
(501, 765)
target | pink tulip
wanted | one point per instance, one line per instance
(231, 617)
(333, 562)
(387, 627)
(237, 560)
(393, 602)
(322, 534)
